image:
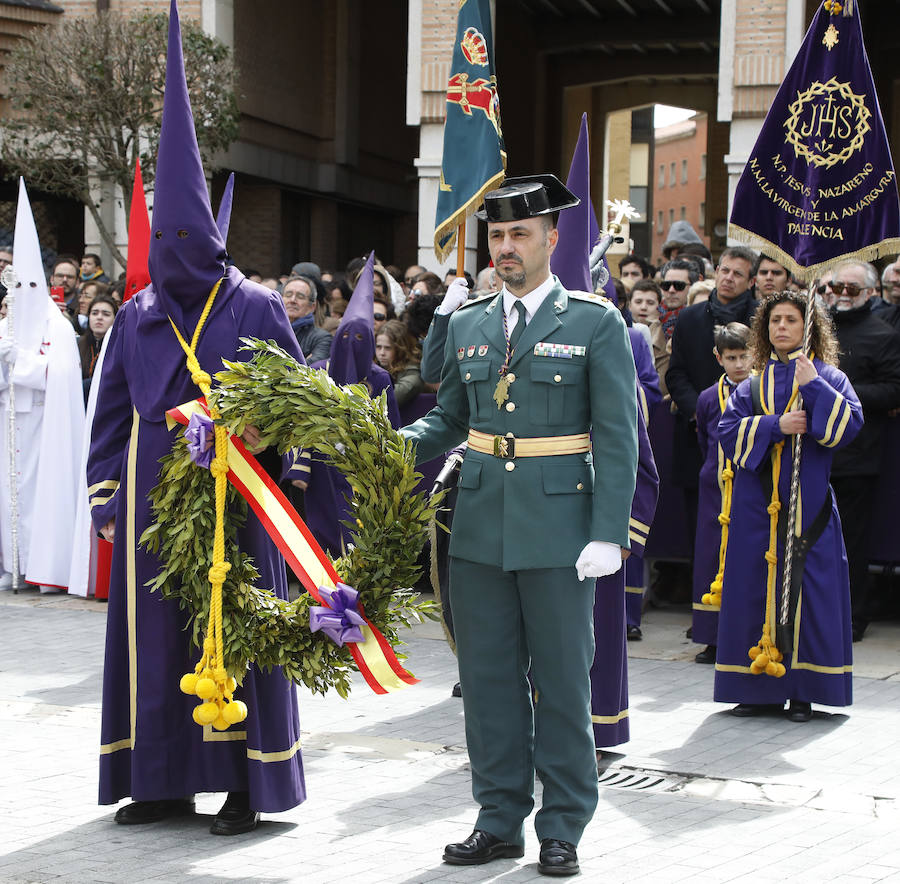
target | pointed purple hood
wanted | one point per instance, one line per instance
(223, 216)
(570, 259)
(353, 345)
(187, 250)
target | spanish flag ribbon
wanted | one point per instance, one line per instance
(374, 655)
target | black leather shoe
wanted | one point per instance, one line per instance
(235, 817)
(858, 629)
(633, 633)
(707, 655)
(558, 858)
(798, 711)
(480, 847)
(745, 710)
(457, 691)
(139, 812)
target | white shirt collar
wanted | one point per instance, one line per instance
(531, 301)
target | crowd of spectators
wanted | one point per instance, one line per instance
(676, 305)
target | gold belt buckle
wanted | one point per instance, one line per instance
(505, 446)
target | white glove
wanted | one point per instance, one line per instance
(599, 559)
(8, 351)
(456, 296)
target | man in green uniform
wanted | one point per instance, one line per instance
(536, 379)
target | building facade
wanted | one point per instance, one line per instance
(679, 180)
(342, 108)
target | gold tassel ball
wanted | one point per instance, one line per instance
(235, 711)
(206, 713)
(188, 683)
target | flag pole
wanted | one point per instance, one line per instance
(785, 637)
(461, 248)
(9, 281)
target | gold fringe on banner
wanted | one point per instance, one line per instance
(469, 208)
(808, 274)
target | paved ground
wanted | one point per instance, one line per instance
(697, 794)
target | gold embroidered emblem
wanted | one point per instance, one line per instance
(828, 123)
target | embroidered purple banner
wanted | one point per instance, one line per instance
(819, 184)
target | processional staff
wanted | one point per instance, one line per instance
(10, 280)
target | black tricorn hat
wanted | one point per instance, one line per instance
(526, 197)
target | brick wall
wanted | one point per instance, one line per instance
(255, 234)
(438, 33)
(681, 143)
(759, 59)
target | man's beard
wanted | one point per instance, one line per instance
(515, 278)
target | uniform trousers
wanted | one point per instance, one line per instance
(507, 622)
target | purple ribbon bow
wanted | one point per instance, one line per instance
(200, 436)
(341, 621)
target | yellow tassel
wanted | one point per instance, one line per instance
(211, 681)
(207, 713)
(205, 688)
(235, 712)
(188, 683)
(714, 597)
(766, 649)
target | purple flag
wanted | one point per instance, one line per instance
(578, 228)
(570, 259)
(819, 185)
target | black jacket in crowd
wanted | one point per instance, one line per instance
(315, 343)
(870, 357)
(693, 368)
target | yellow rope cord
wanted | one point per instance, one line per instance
(765, 655)
(209, 680)
(713, 598)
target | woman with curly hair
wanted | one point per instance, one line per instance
(762, 420)
(397, 352)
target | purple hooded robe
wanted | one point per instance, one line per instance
(819, 670)
(351, 361)
(151, 748)
(609, 671)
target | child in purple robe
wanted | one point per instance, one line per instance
(151, 748)
(716, 482)
(756, 432)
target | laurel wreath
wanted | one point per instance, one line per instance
(295, 407)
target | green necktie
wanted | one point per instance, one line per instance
(516, 333)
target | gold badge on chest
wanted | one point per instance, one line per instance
(501, 391)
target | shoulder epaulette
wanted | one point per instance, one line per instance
(479, 300)
(601, 300)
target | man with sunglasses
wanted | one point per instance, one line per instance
(383, 310)
(870, 357)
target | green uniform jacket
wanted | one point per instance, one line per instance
(538, 512)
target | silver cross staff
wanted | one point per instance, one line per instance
(622, 209)
(10, 280)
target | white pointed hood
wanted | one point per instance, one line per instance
(30, 293)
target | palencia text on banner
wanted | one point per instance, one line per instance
(819, 185)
